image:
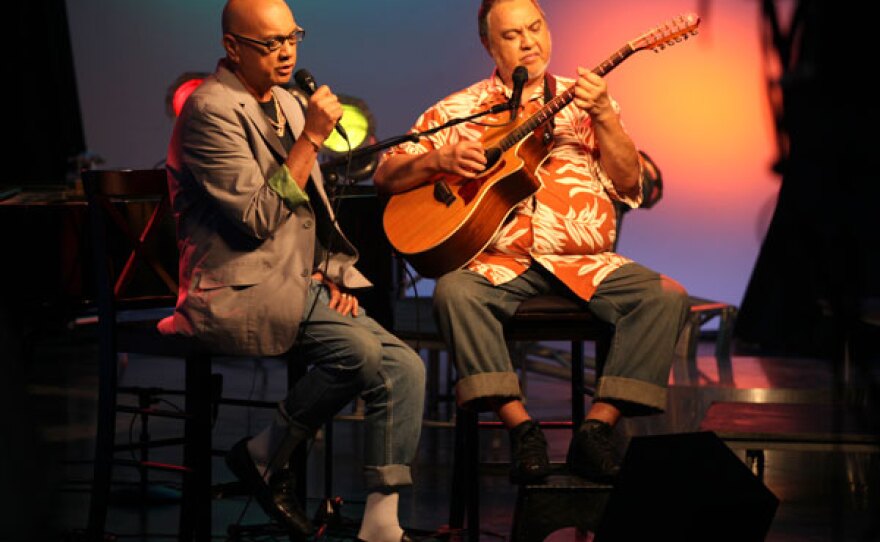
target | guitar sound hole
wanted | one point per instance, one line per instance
(493, 154)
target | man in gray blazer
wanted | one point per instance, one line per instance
(264, 269)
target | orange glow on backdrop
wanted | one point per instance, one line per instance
(699, 108)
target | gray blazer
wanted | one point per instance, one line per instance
(245, 258)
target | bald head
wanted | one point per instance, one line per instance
(248, 25)
(243, 16)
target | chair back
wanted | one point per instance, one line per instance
(652, 192)
(133, 245)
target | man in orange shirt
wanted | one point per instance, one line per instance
(557, 241)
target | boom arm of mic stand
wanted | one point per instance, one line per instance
(412, 137)
(370, 149)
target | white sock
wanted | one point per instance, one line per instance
(259, 447)
(380, 523)
(271, 448)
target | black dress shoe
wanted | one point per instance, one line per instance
(591, 453)
(528, 450)
(275, 498)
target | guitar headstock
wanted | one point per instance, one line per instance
(669, 33)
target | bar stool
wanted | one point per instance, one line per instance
(128, 208)
(541, 318)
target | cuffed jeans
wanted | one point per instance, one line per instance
(354, 356)
(647, 310)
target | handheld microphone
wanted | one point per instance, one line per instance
(306, 82)
(520, 76)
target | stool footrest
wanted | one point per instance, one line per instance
(562, 500)
(565, 481)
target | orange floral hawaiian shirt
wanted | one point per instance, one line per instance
(568, 225)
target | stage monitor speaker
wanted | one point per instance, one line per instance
(686, 487)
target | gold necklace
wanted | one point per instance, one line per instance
(279, 124)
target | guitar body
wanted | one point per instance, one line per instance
(436, 238)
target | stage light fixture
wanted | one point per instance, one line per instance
(180, 90)
(358, 124)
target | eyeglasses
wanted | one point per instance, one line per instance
(273, 44)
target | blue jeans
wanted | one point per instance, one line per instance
(355, 356)
(647, 310)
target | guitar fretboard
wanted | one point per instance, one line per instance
(560, 101)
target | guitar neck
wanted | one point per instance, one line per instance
(560, 101)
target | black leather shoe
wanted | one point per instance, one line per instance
(275, 498)
(528, 450)
(591, 453)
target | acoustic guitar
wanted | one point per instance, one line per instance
(444, 224)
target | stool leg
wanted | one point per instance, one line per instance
(144, 398)
(577, 383)
(328, 461)
(195, 513)
(755, 462)
(472, 455)
(722, 345)
(725, 333)
(104, 443)
(457, 504)
(465, 481)
(433, 382)
(299, 459)
(691, 332)
(450, 387)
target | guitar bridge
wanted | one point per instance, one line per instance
(443, 193)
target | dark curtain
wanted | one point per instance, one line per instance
(815, 283)
(45, 129)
